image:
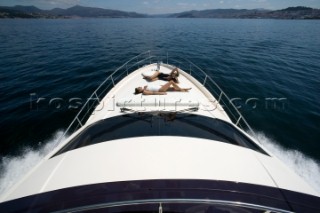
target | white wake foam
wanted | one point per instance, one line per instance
(306, 167)
(13, 168)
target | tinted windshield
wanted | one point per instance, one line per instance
(160, 124)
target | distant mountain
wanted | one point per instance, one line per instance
(295, 13)
(92, 12)
(56, 11)
(288, 13)
(12, 12)
(27, 9)
(295, 9)
(218, 13)
(76, 11)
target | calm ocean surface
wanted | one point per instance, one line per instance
(250, 59)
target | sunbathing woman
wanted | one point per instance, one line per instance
(160, 90)
(174, 74)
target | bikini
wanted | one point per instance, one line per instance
(164, 77)
(153, 88)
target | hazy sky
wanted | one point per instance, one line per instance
(165, 6)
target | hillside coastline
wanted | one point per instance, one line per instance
(77, 11)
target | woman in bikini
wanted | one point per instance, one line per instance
(173, 76)
(160, 90)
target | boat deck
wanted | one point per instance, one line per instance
(122, 96)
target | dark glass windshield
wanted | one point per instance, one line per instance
(160, 124)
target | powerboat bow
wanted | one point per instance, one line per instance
(188, 151)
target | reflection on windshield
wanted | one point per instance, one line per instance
(160, 124)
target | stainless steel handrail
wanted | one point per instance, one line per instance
(149, 57)
(207, 79)
(95, 93)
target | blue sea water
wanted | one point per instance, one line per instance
(254, 61)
